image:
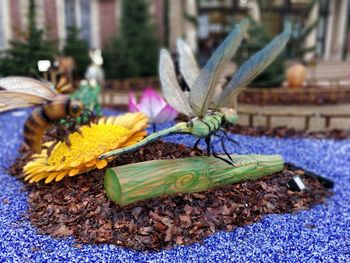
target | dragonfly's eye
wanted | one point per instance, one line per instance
(230, 115)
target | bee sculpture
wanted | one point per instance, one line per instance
(22, 92)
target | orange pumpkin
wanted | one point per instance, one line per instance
(296, 75)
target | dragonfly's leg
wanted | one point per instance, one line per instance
(225, 151)
(228, 138)
(196, 144)
(207, 141)
(230, 162)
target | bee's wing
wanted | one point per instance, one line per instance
(203, 88)
(254, 66)
(171, 88)
(12, 100)
(28, 86)
(187, 63)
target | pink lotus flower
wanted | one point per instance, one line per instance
(153, 105)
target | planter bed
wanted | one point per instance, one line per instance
(285, 132)
(295, 96)
(319, 233)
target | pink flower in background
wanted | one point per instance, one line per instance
(153, 105)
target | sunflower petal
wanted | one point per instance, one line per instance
(73, 172)
(38, 178)
(102, 120)
(60, 176)
(75, 163)
(101, 164)
(91, 163)
(50, 178)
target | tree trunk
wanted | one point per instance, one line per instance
(134, 182)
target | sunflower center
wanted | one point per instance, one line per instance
(94, 140)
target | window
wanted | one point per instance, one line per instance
(70, 13)
(2, 24)
(85, 30)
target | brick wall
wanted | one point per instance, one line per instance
(50, 13)
(107, 13)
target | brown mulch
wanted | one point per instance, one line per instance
(78, 206)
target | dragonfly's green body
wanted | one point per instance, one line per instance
(200, 128)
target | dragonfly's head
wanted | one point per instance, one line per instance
(230, 115)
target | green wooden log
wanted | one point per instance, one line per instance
(139, 181)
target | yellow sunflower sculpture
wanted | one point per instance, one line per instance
(82, 156)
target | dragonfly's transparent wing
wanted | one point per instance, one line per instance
(254, 66)
(203, 88)
(188, 66)
(13, 100)
(28, 86)
(171, 88)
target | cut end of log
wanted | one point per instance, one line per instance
(112, 186)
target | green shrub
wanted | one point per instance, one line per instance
(134, 52)
(78, 49)
(258, 38)
(23, 54)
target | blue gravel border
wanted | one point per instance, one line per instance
(276, 238)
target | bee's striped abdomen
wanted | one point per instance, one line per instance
(41, 118)
(34, 128)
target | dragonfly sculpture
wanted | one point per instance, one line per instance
(206, 113)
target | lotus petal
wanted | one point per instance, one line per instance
(132, 105)
(168, 113)
(151, 103)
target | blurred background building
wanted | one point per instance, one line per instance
(310, 82)
(203, 23)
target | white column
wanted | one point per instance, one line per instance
(310, 41)
(342, 22)
(175, 22)
(254, 10)
(77, 14)
(118, 14)
(329, 36)
(39, 14)
(23, 10)
(190, 28)
(6, 24)
(95, 24)
(61, 25)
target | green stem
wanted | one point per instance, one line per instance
(178, 128)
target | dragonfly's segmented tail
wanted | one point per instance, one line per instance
(178, 128)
